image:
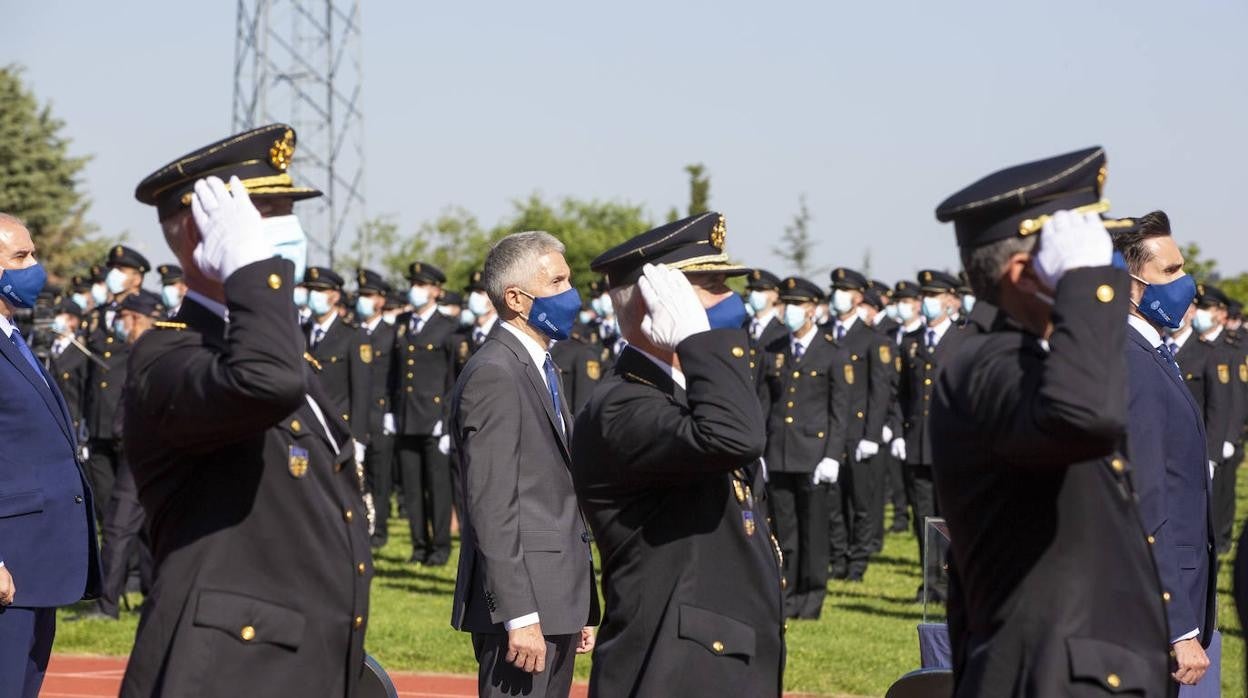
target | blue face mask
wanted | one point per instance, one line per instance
(99, 294)
(301, 297)
(21, 287)
(115, 280)
(727, 314)
(418, 296)
(758, 301)
(466, 318)
(81, 300)
(288, 240)
(933, 308)
(365, 308)
(172, 296)
(59, 326)
(318, 303)
(555, 315)
(1166, 304)
(794, 317)
(968, 304)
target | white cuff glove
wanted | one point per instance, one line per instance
(1071, 241)
(899, 449)
(1228, 449)
(675, 312)
(762, 463)
(1212, 465)
(866, 449)
(827, 471)
(887, 434)
(444, 444)
(86, 453)
(437, 428)
(230, 227)
(387, 424)
(359, 451)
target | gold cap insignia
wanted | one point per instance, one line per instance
(283, 151)
(314, 273)
(757, 275)
(118, 251)
(840, 273)
(363, 279)
(416, 267)
(719, 232)
(1100, 179)
(792, 283)
(1200, 289)
(927, 276)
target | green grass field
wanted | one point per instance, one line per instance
(865, 639)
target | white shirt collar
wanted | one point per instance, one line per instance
(215, 307)
(489, 325)
(847, 324)
(424, 317)
(940, 329)
(324, 326)
(6, 326)
(536, 351)
(1214, 334)
(1180, 337)
(678, 376)
(1144, 327)
(804, 340)
(372, 324)
(763, 319)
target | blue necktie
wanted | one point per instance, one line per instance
(1164, 352)
(317, 336)
(26, 354)
(798, 350)
(840, 331)
(552, 382)
(931, 340)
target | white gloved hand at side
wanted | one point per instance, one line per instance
(437, 428)
(359, 451)
(444, 444)
(675, 312)
(827, 471)
(230, 227)
(866, 449)
(1212, 466)
(1070, 241)
(387, 424)
(887, 434)
(1228, 449)
(899, 449)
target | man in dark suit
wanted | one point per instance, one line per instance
(1053, 591)
(923, 352)
(69, 363)
(379, 455)
(805, 400)
(345, 356)
(666, 465)
(426, 350)
(869, 378)
(1166, 442)
(525, 587)
(243, 462)
(48, 555)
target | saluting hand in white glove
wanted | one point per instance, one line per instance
(675, 312)
(1068, 241)
(230, 228)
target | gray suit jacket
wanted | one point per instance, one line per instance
(525, 546)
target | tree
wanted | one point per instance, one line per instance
(1202, 270)
(699, 189)
(796, 245)
(39, 181)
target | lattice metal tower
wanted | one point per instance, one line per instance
(298, 62)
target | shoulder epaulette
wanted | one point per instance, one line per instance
(167, 325)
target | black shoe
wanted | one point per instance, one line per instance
(417, 557)
(839, 573)
(902, 527)
(93, 614)
(377, 542)
(855, 577)
(436, 559)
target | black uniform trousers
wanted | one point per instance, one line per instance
(857, 484)
(122, 540)
(427, 493)
(378, 464)
(102, 465)
(895, 489)
(922, 495)
(799, 513)
(498, 677)
(1223, 504)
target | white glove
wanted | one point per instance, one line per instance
(887, 434)
(1070, 241)
(762, 462)
(444, 444)
(1228, 449)
(865, 450)
(230, 227)
(675, 312)
(359, 450)
(1212, 465)
(437, 428)
(899, 449)
(86, 453)
(827, 471)
(387, 424)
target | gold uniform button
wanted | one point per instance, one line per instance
(348, 515)
(1165, 596)
(360, 569)
(103, 384)
(790, 403)
(410, 388)
(788, 420)
(108, 354)
(411, 362)
(275, 281)
(1151, 540)
(381, 401)
(797, 374)
(358, 622)
(437, 399)
(927, 381)
(1112, 679)
(819, 435)
(248, 633)
(411, 347)
(1117, 465)
(411, 375)
(1105, 294)
(428, 347)
(738, 352)
(718, 647)
(346, 417)
(859, 415)
(294, 425)
(65, 376)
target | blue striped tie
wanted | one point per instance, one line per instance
(26, 354)
(552, 382)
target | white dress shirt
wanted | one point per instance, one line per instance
(677, 376)
(803, 341)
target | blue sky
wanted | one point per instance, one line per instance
(874, 111)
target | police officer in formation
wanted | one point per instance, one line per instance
(372, 291)
(342, 354)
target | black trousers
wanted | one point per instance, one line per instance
(378, 464)
(922, 494)
(427, 492)
(879, 476)
(1223, 501)
(895, 483)
(102, 471)
(498, 677)
(858, 501)
(122, 541)
(799, 514)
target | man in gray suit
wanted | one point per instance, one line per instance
(525, 588)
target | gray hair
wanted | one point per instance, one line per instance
(512, 261)
(621, 299)
(985, 264)
(8, 220)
